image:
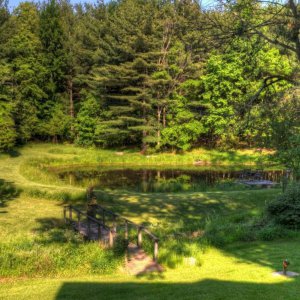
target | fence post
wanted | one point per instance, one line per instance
(126, 230)
(103, 217)
(88, 227)
(115, 225)
(65, 214)
(155, 254)
(99, 234)
(70, 214)
(139, 242)
(111, 238)
(78, 216)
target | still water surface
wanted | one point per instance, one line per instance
(166, 180)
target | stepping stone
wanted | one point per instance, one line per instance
(288, 274)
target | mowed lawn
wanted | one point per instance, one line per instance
(241, 270)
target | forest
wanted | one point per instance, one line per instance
(152, 74)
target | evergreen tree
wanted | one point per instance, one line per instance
(52, 39)
(26, 75)
(87, 121)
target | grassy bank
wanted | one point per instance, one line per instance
(70, 154)
(30, 166)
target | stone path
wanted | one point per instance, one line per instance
(140, 263)
(288, 274)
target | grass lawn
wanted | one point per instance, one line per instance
(41, 259)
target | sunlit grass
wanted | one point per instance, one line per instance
(245, 273)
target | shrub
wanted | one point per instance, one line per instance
(271, 232)
(285, 210)
(221, 231)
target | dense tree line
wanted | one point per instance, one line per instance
(150, 73)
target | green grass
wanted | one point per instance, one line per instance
(245, 273)
(201, 247)
(35, 242)
(66, 155)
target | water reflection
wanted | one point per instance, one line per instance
(167, 180)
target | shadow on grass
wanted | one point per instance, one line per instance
(13, 153)
(179, 216)
(8, 191)
(182, 219)
(47, 224)
(54, 230)
(188, 208)
(206, 289)
(237, 158)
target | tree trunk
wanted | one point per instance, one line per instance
(144, 144)
(71, 102)
(164, 117)
(158, 125)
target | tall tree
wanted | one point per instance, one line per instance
(26, 76)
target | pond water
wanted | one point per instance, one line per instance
(166, 180)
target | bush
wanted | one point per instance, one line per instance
(271, 232)
(222, 231)
(285, 210)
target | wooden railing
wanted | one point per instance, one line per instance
(117, 220)
(100, 226)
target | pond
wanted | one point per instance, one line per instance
(149, 180)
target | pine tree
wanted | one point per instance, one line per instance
(26, 75)
(123, 85)
(52, 39)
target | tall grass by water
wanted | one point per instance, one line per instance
(72, 155)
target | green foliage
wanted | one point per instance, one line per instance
(233, 112)
(58, 124)
(52, 37)
(7, 128)
(87, 121)
(271, 232)
(184, 126)
(285, 210)
(291, 156)
(24, 68)
(220, 231)
(286, 133)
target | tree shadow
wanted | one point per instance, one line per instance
(207, 289)
(8, 191)
(176, 217)
(186, 214)
(13, 153)
(54, 230)
(47, 224)
(268, 254)
(187, 208)
(236, 158)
